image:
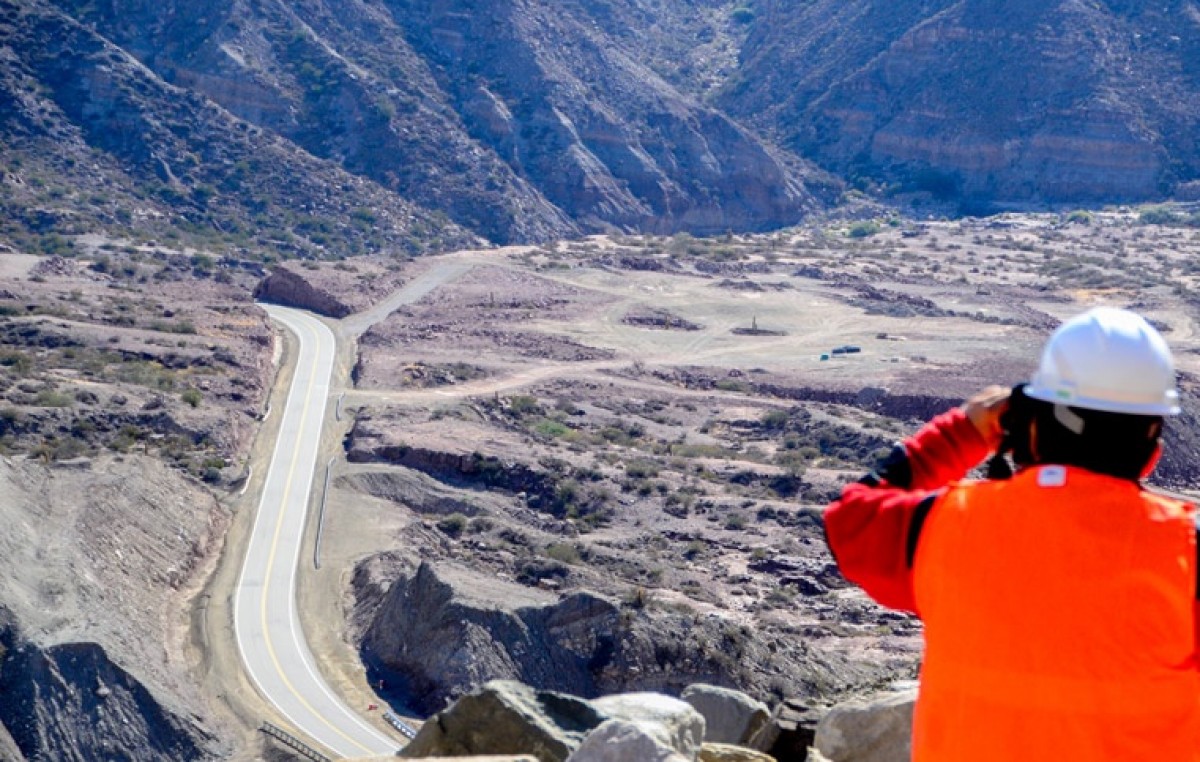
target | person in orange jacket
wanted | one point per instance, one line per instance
(1060, 604)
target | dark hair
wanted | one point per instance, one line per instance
(1117, 444)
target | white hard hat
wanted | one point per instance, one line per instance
(1107, 359)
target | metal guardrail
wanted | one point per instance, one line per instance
(407, 730)
(321, 517)
(293, 743)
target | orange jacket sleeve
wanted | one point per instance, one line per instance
(872, 529)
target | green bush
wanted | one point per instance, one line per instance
(453, 525)
(1159, 215)
(53, 398)
(522, 404)
(192, 397)
(641, 469)
(774, 419)
(564, 552)
(863, 229)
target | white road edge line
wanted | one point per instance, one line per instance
(297, 324)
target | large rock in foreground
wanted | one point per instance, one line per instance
(731, 717)
(620, 740)
(505, 717)
(874, 729)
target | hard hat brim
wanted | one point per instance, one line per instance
(1168, 406)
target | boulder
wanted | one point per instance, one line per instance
(673, 722)
(489, 758)
(730, 717)
(790, 732)
(621, 741)
(875, 729)
(505, 717)
(723, 752)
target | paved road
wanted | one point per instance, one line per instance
(268, 630)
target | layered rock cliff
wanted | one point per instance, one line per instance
(436, 631)
(983, 101)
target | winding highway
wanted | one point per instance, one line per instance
(269, 636)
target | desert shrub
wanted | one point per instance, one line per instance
(774, 419)
(53, 398)
(480, 524)
(523, 404)
(535, 570)
(191, 397)
(564, 552)
(1159, 215)
(18, 362)
(641, 469)
(548, 428)
(180, 326)
(453, 525)
(863, 229)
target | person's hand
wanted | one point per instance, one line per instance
(984, 410)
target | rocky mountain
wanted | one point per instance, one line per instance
(94, 141)
(985, 102)
(342, 120)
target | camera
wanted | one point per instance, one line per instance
(1014, 443)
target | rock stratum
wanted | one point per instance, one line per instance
(990, 103)
(435, 632)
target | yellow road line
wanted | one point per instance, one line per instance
(271, 564)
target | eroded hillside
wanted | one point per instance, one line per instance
(981, 102)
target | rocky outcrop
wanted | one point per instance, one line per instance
(474, 469)
(336, 290)
(439, 633)
(435, 631)
(291, 289)
(71, 702)
(505, 717)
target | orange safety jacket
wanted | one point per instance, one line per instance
(1058, 610)
(1059, 606)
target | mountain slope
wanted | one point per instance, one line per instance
(522, 120)
(1067, 101)
(93, 140)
